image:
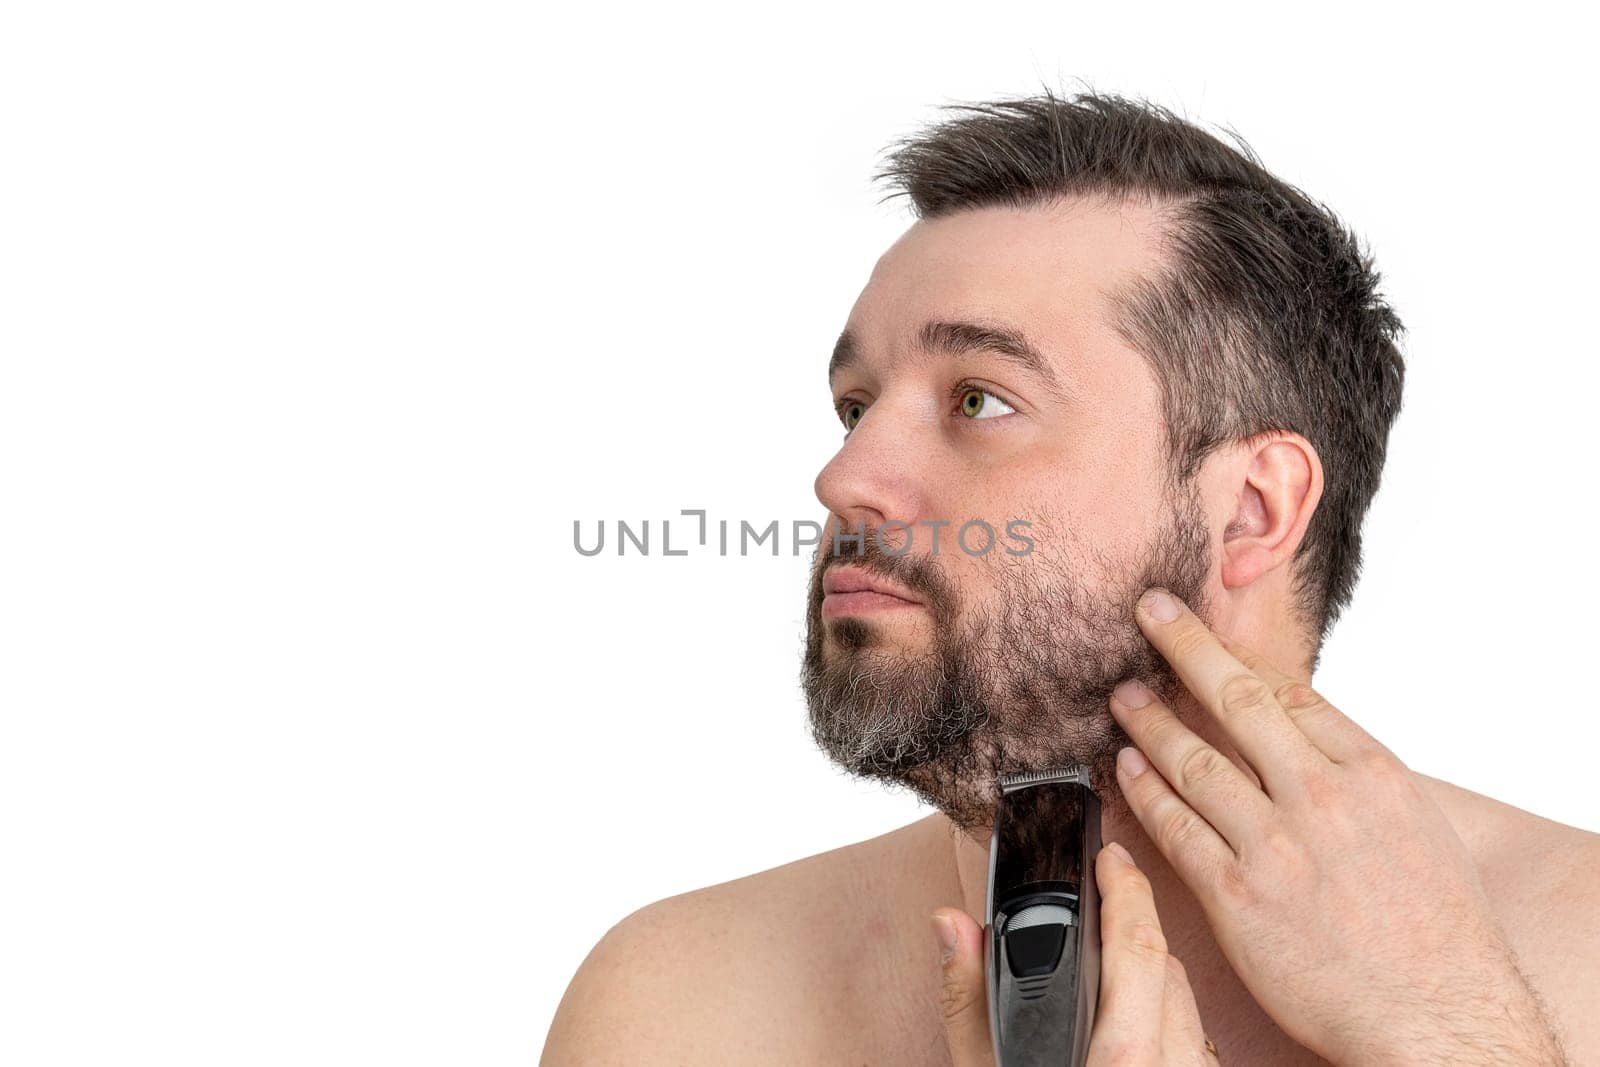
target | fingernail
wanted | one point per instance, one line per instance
(1160, 606)
(947, 937)
(1126, 856)
(1131, 762)
(1133, 694)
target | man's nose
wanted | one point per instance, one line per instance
(876, 477)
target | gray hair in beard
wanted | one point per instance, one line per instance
(1021, 688)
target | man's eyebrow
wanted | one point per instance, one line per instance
(955, 338)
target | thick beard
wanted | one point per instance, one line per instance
(1021, 689)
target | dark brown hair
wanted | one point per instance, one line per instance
(1266, 315)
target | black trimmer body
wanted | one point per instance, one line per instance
(1042, 941)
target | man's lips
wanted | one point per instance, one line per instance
(851, 591)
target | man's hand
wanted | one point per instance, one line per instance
(1146, 1014)
(1335, 887)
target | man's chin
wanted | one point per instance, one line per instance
(947, 751)
(887, 632)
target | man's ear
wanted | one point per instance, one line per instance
(1280, 483)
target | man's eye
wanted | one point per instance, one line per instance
(982, 404)
(850, 414)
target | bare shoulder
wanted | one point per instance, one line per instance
(1543, 881)
(752, 970)
(1550, 884)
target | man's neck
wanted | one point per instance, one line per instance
(1182, 920)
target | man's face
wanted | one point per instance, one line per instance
(1001, 660)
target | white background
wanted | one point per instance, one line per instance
(322, 322)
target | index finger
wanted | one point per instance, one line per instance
(1239, 699)
(1339, 737)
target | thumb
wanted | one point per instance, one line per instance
(964, 997)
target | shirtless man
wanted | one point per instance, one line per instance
(1178, 372)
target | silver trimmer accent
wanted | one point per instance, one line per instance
(1042, 938)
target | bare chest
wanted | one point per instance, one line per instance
(874, 1025)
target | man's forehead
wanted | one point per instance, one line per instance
(1046, 273)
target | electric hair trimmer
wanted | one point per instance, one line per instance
(1042, 941)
